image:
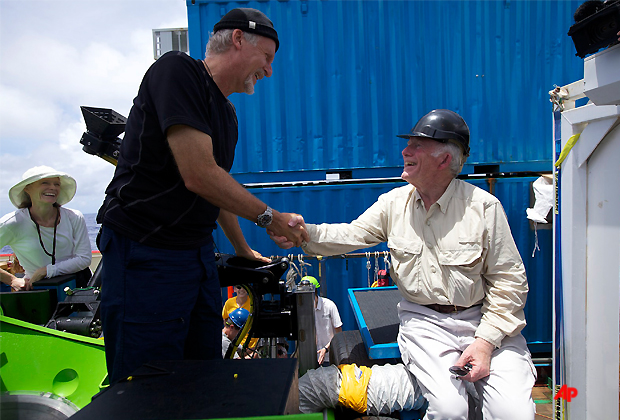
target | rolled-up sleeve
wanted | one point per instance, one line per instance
(367, 230)
(505, 281)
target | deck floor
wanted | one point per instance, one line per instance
(543, 398)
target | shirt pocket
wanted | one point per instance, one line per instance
(467, 253)
(406, 256)
(462, 248)
(463, 265)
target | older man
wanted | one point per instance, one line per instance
(161, 296)
(457, 267)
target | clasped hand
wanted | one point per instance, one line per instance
(20, 283)
(25, 283)
(297, 225)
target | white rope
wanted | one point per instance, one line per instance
(536, 247)
(376, 266)
(368, 266)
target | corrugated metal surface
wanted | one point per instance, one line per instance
(515, 195)
(350, 75)
(343, 203)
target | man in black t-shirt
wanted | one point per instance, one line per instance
(161, 297)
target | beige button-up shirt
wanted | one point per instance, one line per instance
(459, 252)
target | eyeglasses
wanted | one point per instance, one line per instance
(230, 324)
(238, 287)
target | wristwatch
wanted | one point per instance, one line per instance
(263, 220)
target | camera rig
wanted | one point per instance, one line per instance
(103, 125)
(278, 311)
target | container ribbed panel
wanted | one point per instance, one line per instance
(350, 75)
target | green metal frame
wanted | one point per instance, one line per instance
(35, 358)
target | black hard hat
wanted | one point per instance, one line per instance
(442, 125)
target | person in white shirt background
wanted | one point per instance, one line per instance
(48, 239)
(327, 321)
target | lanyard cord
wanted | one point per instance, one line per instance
(53, 254)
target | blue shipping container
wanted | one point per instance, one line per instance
(342, 203)
(350, 75)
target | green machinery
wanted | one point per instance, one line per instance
(47, 371)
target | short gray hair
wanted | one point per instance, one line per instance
(454, 150)
(221, 41)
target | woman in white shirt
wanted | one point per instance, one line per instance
(48, 239)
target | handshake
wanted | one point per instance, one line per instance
(290, 232)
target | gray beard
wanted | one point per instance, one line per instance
(249, 85)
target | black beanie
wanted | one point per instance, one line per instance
(248, 20)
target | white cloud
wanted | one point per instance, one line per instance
(58, 55)
(25, 116)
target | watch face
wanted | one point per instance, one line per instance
(264, 220)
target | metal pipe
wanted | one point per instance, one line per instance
(320, 258)
(322, 279)
(491, 182)
(260, 185)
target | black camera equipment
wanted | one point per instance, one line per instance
(79, 313)
(103, 125)
(274, 316)
(280, 312)
(596, 27)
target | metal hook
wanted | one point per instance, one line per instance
(386, 260)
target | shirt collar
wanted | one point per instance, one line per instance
(446, 196)
(319, 304)
(413, 196)
(443, 201)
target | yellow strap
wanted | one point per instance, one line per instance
(567, 148)
(353, 389)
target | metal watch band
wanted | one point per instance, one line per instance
(263, 220)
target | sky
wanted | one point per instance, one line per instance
(58, 55)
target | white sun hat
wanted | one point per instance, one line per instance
(68, 185)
